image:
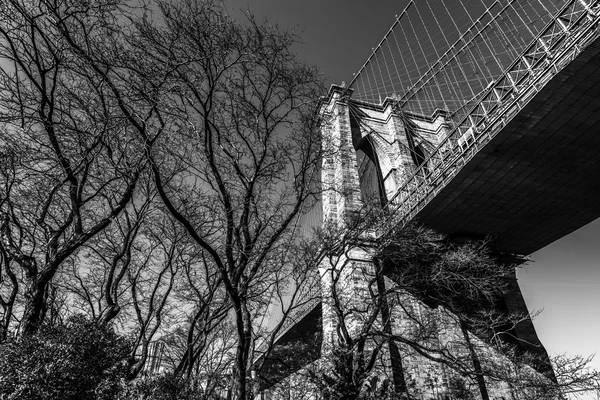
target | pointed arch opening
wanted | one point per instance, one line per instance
(370, 176)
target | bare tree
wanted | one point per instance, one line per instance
(96, 277)
(76, 162)
(201, 287)
(245, 107)
(134, 274)
(93, 91)
(9, 283)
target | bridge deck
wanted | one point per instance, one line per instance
(296, 348)
(539, 178)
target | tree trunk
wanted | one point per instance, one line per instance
(35, 285)
(138, 366)
(8, 304)
(33, 314)
(464, 326)
(395, 358)
(243, 324)
(109, 314)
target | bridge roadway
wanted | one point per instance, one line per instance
(534, 182)
(538, 179)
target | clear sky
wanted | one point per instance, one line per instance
(564, 279)
(564, 282)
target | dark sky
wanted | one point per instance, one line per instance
(564, 279)
(337, 36)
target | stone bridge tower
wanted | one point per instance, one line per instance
(375, 149)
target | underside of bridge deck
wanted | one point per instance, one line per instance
(539, 178)
(297, 348)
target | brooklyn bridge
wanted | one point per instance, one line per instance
(478, 121)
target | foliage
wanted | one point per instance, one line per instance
(458, 389)
(423, 299)
(77, 360)
(344, 381)
(163, 387)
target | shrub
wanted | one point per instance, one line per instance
(77, 360)
(163, 387)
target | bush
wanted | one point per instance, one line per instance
(77, 360)
(163, 387)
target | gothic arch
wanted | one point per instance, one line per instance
(373, 161)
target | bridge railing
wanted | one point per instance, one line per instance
(570, 31)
